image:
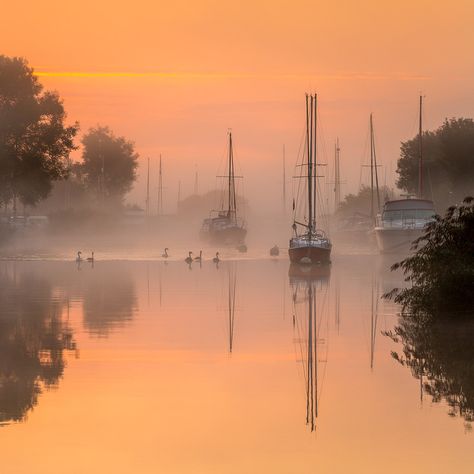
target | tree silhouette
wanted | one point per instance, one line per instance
(448, 162)
(34, 142)
(109, 164)
(360, 203)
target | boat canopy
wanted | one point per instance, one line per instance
(409, 204)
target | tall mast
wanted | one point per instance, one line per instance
(373, 172)
(420, 142)
(337, 177)
(148, 187)
(309, 128)
(179, 193)
(376, 173)
(196, 183)
(232, 199)
(159, 210)
(372, 215)
(284, 182)
(315, 174)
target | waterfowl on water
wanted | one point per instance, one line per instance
(79, 258)
(198, 259)
(165, 254)
(216, 259)
(274, 251)
(91, 258)
(189, 259)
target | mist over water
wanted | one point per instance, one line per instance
(210, 360)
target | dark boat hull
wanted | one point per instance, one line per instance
(310, 255)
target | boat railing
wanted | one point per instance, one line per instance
(403, 223)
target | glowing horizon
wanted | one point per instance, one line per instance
(230, 75)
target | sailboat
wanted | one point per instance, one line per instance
(403, 220)
(311, 246)
(224, 226)
(360, 224)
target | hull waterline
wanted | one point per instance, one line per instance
(310, 255)
(396, 240)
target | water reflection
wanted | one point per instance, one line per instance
(310, 289)
(258, 409)
(109, 299)
(441, 356)
(34, 334)
(374, 314)
(231, 302)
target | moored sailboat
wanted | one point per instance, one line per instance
(224, 226)
(311, 246)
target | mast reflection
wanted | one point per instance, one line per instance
(310, 286)
(231, 303)
(374, 314)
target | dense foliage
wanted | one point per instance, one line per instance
(109, 164)
(34, 142)
(360, 203)
(441, 271)
(448, 162)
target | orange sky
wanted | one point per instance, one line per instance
(175, 76)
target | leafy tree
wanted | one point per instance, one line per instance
(200, 205)
(360, 203)
(109, 164)
(448, 157)
(441, 272)
(34, 142)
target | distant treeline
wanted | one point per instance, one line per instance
(36, 144)
(448, 168)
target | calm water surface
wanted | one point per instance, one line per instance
(248, 367)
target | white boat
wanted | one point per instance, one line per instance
(402, 221)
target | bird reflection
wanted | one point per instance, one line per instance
(33, 338)
(440, 355)
(306, 283)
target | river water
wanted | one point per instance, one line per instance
(248, 366)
